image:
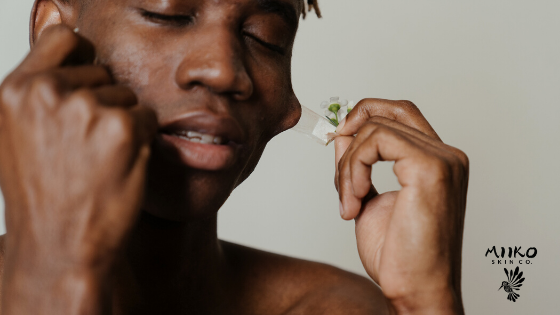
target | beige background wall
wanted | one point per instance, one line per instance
(486, 74)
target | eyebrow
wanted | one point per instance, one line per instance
(281, 8)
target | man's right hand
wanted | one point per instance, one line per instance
(73, 152)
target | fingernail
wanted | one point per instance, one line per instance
(340, 125)
(341, 208)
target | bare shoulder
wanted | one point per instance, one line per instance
(296, 286)
(2, 246)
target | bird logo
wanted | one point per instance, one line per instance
(515, 281)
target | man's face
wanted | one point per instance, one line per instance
(217, 73)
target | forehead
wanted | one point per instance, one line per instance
(289, 10)
(297, 5)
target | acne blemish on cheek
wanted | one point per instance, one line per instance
(322, 129)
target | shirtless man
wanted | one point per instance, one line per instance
(120, 142)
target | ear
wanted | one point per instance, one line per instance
(45, 13)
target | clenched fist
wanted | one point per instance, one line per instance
(73, 153)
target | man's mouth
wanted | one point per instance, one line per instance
(203, 140)
(198, 137)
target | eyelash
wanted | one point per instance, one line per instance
(274, 48)
(174, 20)
(183, 20)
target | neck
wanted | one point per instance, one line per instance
(169, 265)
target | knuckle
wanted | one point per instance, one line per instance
(408, 106)
(367, 127)
(80, 106)
(381, 131)
(10, 93)
(437, 170)
(460, 162)
(364, 102)
(375, 126)
(463, 158)
(83, 97)
(118, 126)
(362, 107)
(46, 83)
(45, 89)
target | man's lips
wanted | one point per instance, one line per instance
(204, 140)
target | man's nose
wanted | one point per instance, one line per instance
(213, 59)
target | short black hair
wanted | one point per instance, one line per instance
(311, 5)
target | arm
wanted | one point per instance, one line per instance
(410, 240)
(73, 153)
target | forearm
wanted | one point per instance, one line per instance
(36, 284)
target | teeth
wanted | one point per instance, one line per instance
(207, 139)
(194, 134)
(197, 137)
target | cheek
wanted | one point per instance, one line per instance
(278, 106)
(129, 66)
(147, 70)
(134, 61)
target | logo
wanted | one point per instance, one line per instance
(513, 283)
(514, 255)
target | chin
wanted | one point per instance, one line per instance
(191, 181)
(201, 198)
(178, 192)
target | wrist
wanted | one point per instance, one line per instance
(444, 301)
(36, 281)
(41, 292)
(32, 254)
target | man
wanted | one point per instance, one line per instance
(120, 140)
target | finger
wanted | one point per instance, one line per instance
(348, 201)
(115, 96)
(349, 204)
(381, 144)
(83, 76)
(393, 124)
(340, 146)
(145, 124)
(58, 46)
(436, 143)
(345, 190)
(341, 143)
(343, 180)
(401, 111)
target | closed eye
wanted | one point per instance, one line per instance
(173, 20)
(268, 45)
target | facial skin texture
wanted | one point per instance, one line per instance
(108, 207)
(210, 63)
